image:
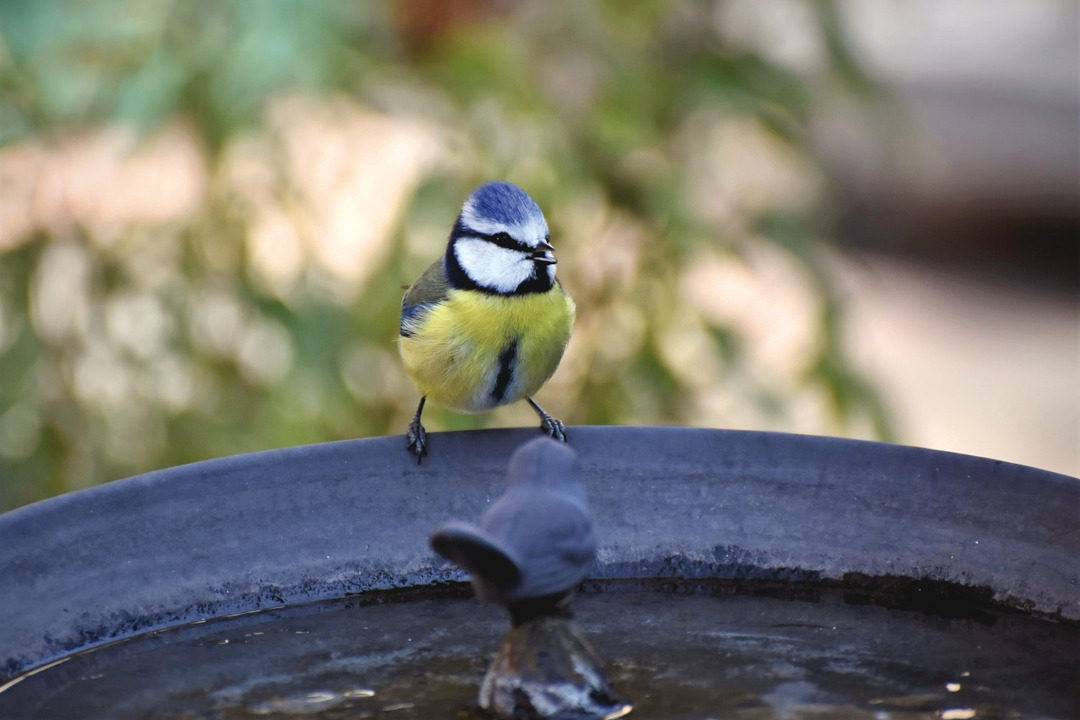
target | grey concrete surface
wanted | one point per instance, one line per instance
(315, 522)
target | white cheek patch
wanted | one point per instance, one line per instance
(491, 266)
(530, 232)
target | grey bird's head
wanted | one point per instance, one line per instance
(500, 243)
(536, 542)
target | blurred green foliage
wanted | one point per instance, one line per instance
(602, 110)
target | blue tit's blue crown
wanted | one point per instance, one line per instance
(499, 207)
(501, 202)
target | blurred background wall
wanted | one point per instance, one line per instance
(844, 218)
(967, 305)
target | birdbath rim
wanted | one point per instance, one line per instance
(291, 525)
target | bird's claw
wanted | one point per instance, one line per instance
(553, 427)
(417, 437)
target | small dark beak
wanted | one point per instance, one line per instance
(543, 255)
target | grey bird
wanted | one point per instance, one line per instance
(530, 550)
(536, 542)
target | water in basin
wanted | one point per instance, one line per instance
(685, 651)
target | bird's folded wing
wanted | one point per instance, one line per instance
(429, 289)
(471, 548)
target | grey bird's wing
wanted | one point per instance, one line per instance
(429, 289)
(478, 552)
(554, 542)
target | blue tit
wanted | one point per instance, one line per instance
(535, 543)
(486, 325)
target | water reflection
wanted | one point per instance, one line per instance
(693, 654)
(307, 704)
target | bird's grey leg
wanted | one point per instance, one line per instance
(548, 424)
(417, 435)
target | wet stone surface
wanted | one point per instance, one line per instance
(677, 651)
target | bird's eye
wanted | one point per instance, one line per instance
(504, 240)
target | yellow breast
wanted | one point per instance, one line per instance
(476, 351)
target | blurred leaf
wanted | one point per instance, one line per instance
(841, 58)
(152, 93)
(745, 84)
(596, 107)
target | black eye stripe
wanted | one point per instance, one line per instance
(504, 240)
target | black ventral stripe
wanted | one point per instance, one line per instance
(506, 371)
